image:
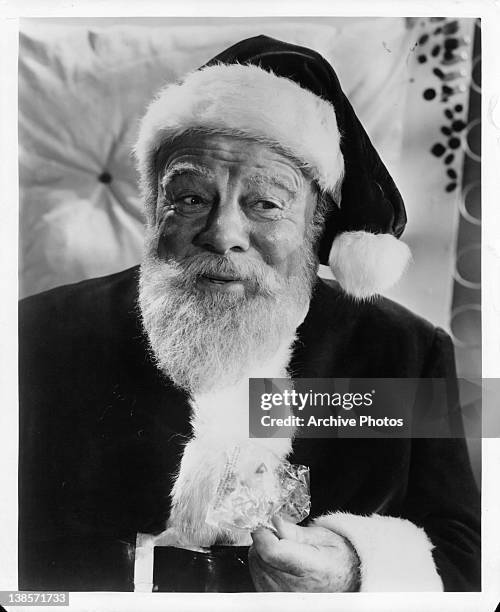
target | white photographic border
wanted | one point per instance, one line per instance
(489, 12)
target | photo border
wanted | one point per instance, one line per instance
(490, 15)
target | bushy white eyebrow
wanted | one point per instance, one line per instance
(273, 180)
(256, 180)
(181, 168)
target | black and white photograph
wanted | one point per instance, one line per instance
(211, 205)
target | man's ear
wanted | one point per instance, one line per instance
(325, 204)
(160, 157)
(154, 188)
(325, 208)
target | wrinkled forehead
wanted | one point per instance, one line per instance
(212, 156)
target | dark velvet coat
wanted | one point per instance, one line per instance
(101, 434)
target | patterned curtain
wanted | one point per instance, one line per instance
(465, 320)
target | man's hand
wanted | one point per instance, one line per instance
(304, 559)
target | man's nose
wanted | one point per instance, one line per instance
(226, 229)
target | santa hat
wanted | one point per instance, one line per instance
(289, 97)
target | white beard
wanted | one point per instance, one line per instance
(211, 346)
(205, 341)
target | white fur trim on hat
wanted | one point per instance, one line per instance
(395, 554)
(366, 264)
(246, 101)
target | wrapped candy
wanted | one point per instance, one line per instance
(250, 492)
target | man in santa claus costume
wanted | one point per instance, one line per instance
(134, 387)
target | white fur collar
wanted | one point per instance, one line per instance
(219, 421)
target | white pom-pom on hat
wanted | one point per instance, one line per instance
(366, 264)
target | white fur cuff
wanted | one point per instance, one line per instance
(395, 554)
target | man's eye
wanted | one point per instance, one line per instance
(191, 201)
(267, 209)
(267, 205)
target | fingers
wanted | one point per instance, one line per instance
(287, 530)
(301, 559)
(264, 539)
(263, 576)
(316, 536)
(283, 555)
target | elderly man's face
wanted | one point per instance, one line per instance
(229, 196)
(230, 263)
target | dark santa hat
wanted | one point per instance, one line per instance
(289, 96)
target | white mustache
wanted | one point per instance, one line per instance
(257, 273)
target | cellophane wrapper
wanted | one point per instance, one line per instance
(251, 492)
